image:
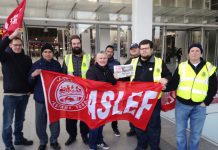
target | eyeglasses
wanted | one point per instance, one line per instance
(17, 45)
(147, 48)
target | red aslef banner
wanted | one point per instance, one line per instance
(15, 19)
(97, 103)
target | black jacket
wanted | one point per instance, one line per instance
(111, 63)
(212, 87)
(99, 73)
(15, 69)
(128, 61)
(145, 69)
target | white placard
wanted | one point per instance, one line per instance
(122, 71)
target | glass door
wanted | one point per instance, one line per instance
(211, 46)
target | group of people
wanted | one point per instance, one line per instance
(194, 80)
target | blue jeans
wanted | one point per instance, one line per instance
(95, 137)
(13, 105)
(197, 115)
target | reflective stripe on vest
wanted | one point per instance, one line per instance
(84, 66)
(156, 73)
(192, 86)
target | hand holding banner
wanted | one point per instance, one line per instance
(97, 103)
(122, 71)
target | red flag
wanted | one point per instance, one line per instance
(168, 101)
(14, 20)
(215, 98)
(97, 103)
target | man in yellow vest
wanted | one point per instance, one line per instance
(149, 68)
(76, 64)
(195, 83)
(134, 53)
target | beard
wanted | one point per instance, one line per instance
(77, 50)
(146, 57)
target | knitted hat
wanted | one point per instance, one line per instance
(47, 46)
(195, 45)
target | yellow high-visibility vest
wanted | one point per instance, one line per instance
(156, 73)
(84, 66)
(194, 86)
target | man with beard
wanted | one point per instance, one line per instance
(76, 64)
(134, 53)
(149, 68)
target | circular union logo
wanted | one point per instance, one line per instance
(66, 94)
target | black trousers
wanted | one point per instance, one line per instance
(71, 127)
(132, 128)
(114, 125)
(150, 136)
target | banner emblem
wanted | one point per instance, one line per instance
(68, 95)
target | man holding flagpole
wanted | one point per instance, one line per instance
(15, 68)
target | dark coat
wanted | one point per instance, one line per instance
(15, 69)
(53, 65)
(111, 63)
(145, 69)
(99, 73)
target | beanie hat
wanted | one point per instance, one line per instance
(47, 46)
(195, 45)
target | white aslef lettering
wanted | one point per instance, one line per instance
(116, 104)
(148, 95)
(131, 103)
(132, 106)
(106, 103)
(92, 103)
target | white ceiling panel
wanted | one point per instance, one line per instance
(101, 10)
(53, 13)
(35, 12)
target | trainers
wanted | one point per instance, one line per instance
(142, 148)
(24, 141)
(10, 148)
(116, 132)
(131, 133)
(55, 146)
(138, 148)
(103, 145)
(70, 140)
(42, 147)
(85, 140)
